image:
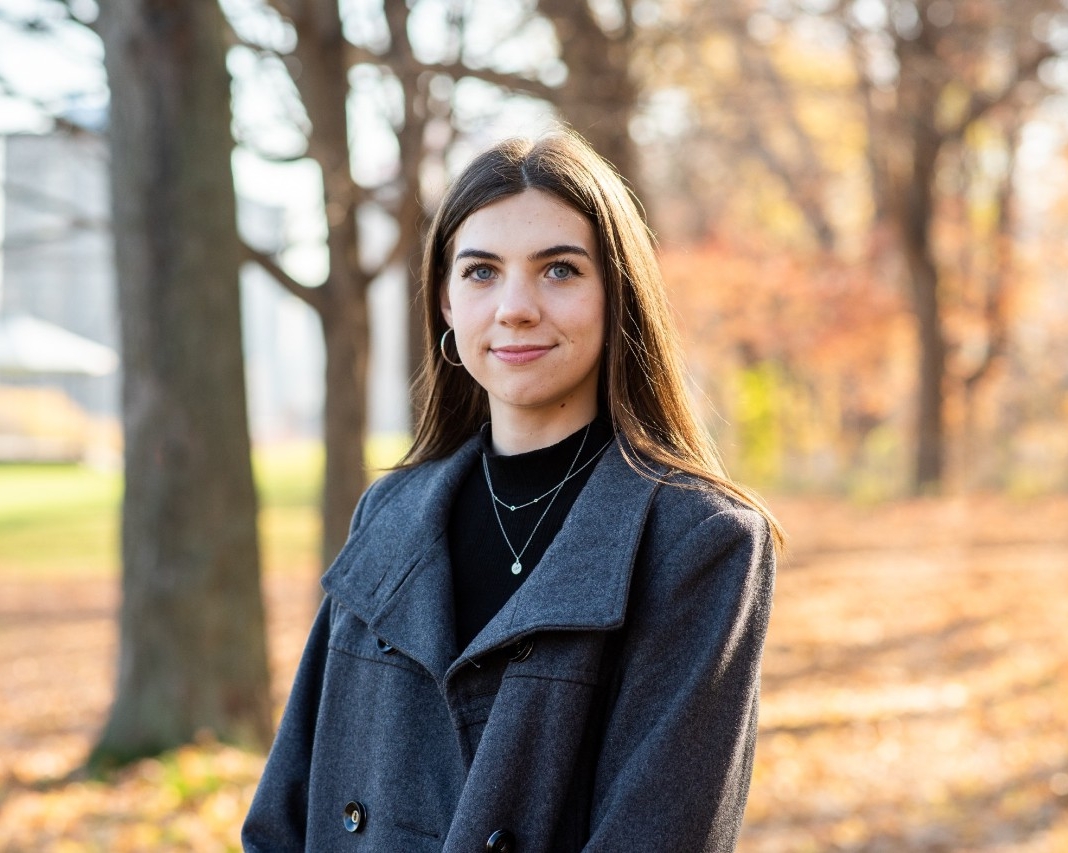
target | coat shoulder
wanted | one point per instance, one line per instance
(405, 489)
(398, 481)
(683, 502)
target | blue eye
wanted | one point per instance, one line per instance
(561, 270)
(478, 272)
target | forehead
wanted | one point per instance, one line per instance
(524, 223)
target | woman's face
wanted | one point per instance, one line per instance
(525, 295)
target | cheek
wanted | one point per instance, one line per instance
(454, 306)
(464, 319)
(594, 324)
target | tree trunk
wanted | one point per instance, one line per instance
(409, 213)
(930, 451)
(912, 180)
(324, 86)
(345, 333)
(599, 95)
(913, 208)
(192, 647)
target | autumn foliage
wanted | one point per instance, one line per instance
(803, 360)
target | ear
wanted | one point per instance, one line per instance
(446, 305)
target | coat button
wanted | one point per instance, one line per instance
(521, 650)
(384, 647)
(355, 817)
(502, 841)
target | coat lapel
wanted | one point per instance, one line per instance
(583, 580)
(394, 572)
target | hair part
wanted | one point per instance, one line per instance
(643, 380)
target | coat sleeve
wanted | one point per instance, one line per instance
(677, 753)
(277, 819)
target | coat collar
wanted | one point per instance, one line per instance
(394, 572)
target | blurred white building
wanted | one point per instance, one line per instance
(56, 266)
(56, 261)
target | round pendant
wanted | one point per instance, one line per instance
(517, 567)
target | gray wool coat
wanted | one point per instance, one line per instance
(611, 705)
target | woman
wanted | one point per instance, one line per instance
(544, 632)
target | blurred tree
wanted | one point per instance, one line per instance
(802, 88)
(320, 71)
(984, 279)
(743, 129)
(599, 94)
(799, 355)
(192, 649)
(955, 64)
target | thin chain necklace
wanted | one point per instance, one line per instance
(517, 566)
(560, 485)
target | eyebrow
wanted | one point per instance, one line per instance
(477, 253)
(541, 254)
(562, 249)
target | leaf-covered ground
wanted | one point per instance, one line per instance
(915, 695)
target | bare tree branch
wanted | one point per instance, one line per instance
(311, 296)
(981, 102)
(802, 182)
(512, 82)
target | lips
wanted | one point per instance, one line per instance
(520, 354)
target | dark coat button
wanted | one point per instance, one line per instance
(355, 817)
(502, 841)
(521, 650)
(384, 647)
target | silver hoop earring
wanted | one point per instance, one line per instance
(444, 355)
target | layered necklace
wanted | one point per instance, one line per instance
(517, 566)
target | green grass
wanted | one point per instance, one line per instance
(58, 519)
(63, 520)
(289, 480)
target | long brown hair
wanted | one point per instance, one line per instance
(642, 379)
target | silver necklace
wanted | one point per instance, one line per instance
(560, 485)
(517, 566)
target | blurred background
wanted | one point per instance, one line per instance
(211, 219)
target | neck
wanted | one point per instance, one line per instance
(519, 432)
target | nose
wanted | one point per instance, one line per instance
(518, 305)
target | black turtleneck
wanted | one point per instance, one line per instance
(482, 579)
